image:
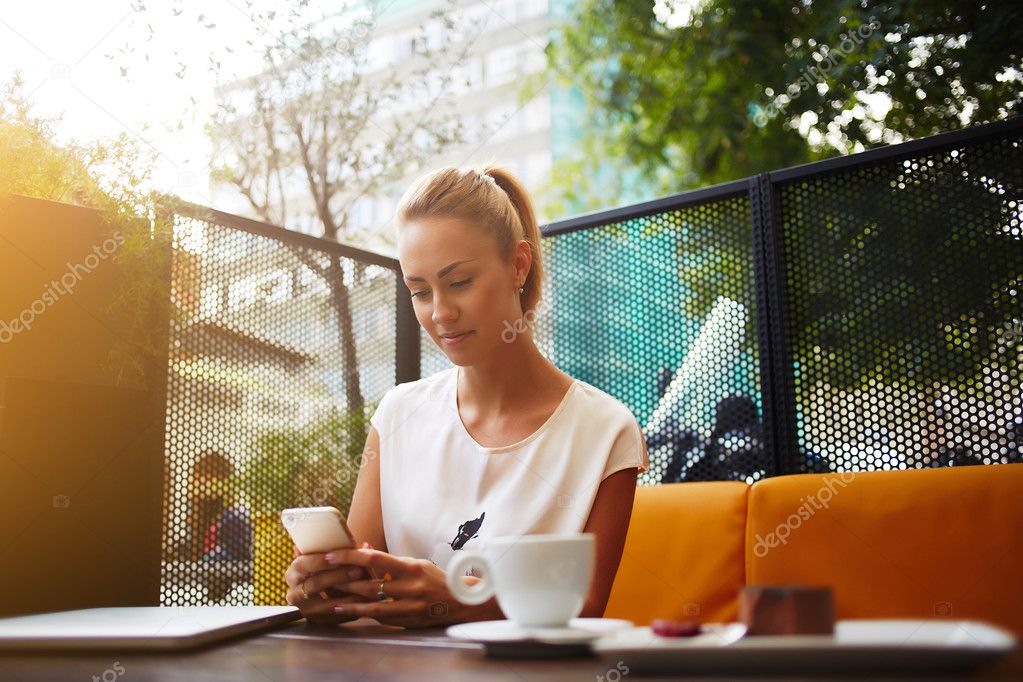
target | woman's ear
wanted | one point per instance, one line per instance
(523, 261)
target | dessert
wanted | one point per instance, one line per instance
(787, 610)
(675, 628)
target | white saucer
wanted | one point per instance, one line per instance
(578, 631)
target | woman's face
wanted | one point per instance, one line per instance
(460, 286)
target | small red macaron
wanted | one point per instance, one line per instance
(675, 628)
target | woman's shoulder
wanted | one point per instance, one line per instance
(601, 404)
(433, 386)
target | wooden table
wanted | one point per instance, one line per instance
(355, 651)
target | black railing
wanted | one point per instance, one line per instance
(883, 292)
(282, 345)
(858, 313)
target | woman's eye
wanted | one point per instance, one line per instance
(460, 284)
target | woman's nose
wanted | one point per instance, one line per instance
(443, 311)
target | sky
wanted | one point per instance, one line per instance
(140, 67)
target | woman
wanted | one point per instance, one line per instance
(503, 443)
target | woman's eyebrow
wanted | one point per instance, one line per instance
(440, 273)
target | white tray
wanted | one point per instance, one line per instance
(857, 645)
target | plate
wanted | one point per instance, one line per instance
(505, 639)
(857, 645)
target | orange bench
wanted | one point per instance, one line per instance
(926, 543)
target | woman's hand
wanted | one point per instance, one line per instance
(416, 590)
(313, 586)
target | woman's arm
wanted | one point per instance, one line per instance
(428, 602)
(365, 517)
(609, 521)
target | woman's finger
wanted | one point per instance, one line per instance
(370, 558)
(308, 598)
(304, 566)
(376, 561)
(400, 588)
(322, 611)
(298, 595)
(333, 577)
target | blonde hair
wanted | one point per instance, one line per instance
(489, 197)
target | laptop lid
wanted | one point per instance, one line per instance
(139, 627)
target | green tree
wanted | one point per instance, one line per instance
(306, 465)
(111, 176)
(318, 126)
(744, 86)
(895, 278)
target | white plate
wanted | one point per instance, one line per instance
(856, 645)
(579, 631)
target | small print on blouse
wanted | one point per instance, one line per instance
(464, 538)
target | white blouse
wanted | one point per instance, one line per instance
(441, 491)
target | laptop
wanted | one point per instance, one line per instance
(139, 628)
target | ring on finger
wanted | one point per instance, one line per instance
(381, 595)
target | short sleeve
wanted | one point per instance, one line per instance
(381, 418)
(628, 451)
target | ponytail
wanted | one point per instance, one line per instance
(523, 206)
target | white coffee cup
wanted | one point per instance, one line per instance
(539, 580)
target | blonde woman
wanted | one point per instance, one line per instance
(503, 443)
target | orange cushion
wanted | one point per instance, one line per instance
(683, 556)
(916, 544)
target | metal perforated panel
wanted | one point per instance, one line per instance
(264, 409)
(903, 312)
(659, 312)
(852, 315)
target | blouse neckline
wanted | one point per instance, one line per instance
(525, 441)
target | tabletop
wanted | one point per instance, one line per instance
(364, 650)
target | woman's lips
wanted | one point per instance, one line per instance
(455, 340)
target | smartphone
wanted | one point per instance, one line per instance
(317, 529)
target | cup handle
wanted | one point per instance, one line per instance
(469, 594)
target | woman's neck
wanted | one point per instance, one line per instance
(510, 382)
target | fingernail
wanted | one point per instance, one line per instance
(330, 558)
(354, 573)
(339, 609)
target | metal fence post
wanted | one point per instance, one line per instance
(406, 347)
(775, 356)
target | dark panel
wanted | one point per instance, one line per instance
(904, 308)
(659, 311)
(82, 403)
(283, 348)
